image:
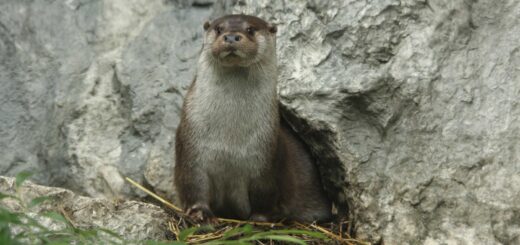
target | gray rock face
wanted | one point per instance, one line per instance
(132, 220)
(409, 106)
(91, 90)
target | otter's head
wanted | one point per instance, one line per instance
(239, 40)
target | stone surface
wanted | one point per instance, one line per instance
(411, 107)
(90, 90)
(131, 219)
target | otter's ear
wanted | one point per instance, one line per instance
(206, 25)
(272, 28)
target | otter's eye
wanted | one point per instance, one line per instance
(250, 31)
(218, 30)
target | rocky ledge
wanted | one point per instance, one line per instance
(132, 220)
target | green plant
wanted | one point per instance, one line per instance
(25, 227)
(247, 234)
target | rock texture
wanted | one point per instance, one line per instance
(90, 90)
(132, 220)
(411, 107)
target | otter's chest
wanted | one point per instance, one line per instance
(232, 126)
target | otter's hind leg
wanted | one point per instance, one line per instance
(304, 198)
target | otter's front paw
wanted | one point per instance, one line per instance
(259, 218)
(200, 213)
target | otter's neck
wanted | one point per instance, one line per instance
(251, 87)
(235, 110)
(261, 74)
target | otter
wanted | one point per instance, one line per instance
(235, 156)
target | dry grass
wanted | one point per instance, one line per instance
(182, 227)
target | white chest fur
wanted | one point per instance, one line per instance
(233, 121)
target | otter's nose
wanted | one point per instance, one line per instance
(231, 38)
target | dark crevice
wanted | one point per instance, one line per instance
(7, 47)
(125, 95)
(202, 4)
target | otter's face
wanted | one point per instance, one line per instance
(239, 40)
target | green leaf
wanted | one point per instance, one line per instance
(58, 242)
(22, 177)
(52, 236)
(87, 233)
(164, 243)
(231, 242)
(285, 238)
(38, 200)
(183, 235)
(5, 236)
(233, 232)
(3, 195)
(7, 217)
(284, 235)
(248, 229)
(58, 238)
(313, 234)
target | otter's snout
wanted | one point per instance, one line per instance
(231, 38)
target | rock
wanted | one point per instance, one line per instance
(410, 107)
(132, 220)
(90, 90)
(155, 71)
(416, 102)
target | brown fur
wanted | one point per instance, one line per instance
(285, 185)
